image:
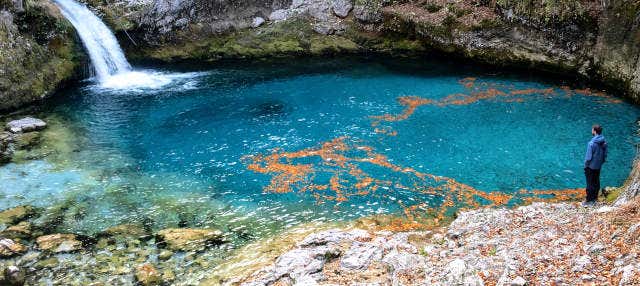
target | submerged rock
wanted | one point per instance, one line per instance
(58, 242)
(22, 230)
(146, 275)
(125, 230)
(27, 140)
(26, 124)
(17, 214)
(9, 248)
(189, 239)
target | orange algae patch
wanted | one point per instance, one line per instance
(345, 164)
(468, 82)
(410, 103)
(553, 195)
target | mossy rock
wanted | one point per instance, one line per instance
(189, 239)
(17, 214)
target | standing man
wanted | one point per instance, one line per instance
(593, 160)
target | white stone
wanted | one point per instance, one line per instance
(26, 124)
(518, 281)
(257, 22)
(279, 15)
(360, 255)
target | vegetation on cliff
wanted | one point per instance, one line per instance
(38, 51)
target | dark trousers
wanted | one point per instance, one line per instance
(593, 184)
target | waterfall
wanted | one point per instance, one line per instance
(106, 55)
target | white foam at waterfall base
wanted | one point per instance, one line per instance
(145, 79)
(111, 68)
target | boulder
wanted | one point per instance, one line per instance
(257, 22)
(303, 262)
(9, 248)
(341, 8)
(188, 239)
(58, 242)
(22, 230)
(26, 124)
(125, 230)
(147, 275)
(16, 214)
(360, 255)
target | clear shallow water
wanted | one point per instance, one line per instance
(256, 149)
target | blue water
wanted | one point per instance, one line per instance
(179, 155)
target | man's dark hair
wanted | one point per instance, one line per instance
(597, 128)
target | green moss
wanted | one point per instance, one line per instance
(613, 195)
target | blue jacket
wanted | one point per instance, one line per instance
(596, 153)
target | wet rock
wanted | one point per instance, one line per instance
(58, 243)
(6, 151)
(50, 262)
(17, 214)
(189, 239)
(14, 275)
(341, 8)
(26, 124)
(257, 22)
(22, 230)
(360, 255)
(165, 254)
(125, 230)
(146, 275)
(27, 140)
(9, 247)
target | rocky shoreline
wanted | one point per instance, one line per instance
(537, 244)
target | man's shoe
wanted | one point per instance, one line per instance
(588, 204)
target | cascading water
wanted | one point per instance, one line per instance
(110, 65)
(106, 55)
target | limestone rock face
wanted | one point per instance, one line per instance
(58, 243)
(341, 7)
(368, 11)
(188, 239)
(26, 124)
